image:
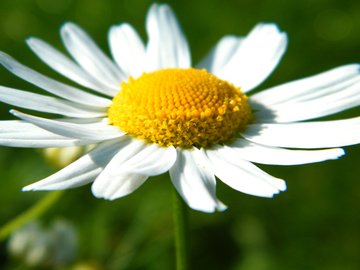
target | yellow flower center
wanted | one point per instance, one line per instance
(180, 107)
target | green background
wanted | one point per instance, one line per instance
(315, 224)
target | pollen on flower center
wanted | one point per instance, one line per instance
(180, 107)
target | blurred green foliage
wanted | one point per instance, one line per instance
(313, 225)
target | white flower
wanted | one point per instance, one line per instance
(167, 116)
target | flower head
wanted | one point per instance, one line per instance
(151, 111)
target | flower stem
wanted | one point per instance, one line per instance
(181, 232)
(35, 211)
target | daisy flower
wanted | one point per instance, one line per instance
(148, 110)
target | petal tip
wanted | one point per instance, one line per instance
(282, 185)
(3, 55)
(341, 152)
(14, 112)
(27, 188)
(68, 24)
(37, 186)
(30, 40)
(68, 27)
(221, 207)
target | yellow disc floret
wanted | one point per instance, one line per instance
(180, 107)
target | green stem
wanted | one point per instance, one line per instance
(35, 211)
(181, 232)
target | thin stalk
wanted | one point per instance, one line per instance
(32, 213)
(181, 232)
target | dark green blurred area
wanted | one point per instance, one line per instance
(315, 224)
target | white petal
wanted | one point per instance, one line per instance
(121, 185)
(320, 134)
(113, 183)
(324, 91)
(220, 55)
(195, 182)
(12, 141)
(9, 126)
(47, 104)
(127, 49)
(244, 176)
(90, 57)
(82, 171)
(303, 89)
(167, 45)
(343, 99)
(23, 134)
(71, 182)
(98, 132)
(256, 57)
(65, 66)
(15, 126)
(151, 160)
(242, 149)
(131, 167)
(50, 85)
